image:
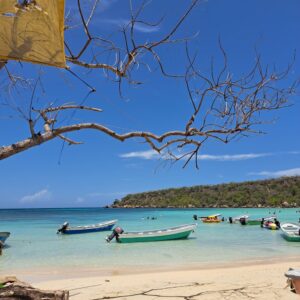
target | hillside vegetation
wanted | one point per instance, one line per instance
(284, 191)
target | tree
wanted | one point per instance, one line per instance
(223, 106)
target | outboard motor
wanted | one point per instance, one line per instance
(230, 220)
(63, 228)
(243, 221)
(195, 217)
(115, 234)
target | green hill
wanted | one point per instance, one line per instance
(284, 192)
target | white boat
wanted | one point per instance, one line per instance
(290, 231)
(238, 218)
(293, 276)
(173, 233)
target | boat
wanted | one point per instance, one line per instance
(211, 219)
(65, 229)
(271, 223)
(172, 233)
(238, 218)
(259, 221)
(293, 276)
(3, 236)
(250, 221)
(290, 232)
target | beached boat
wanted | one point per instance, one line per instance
(293, 276)
(290, 232)
(65, 229)
(173, 233)
(3, 236)
(211, 219)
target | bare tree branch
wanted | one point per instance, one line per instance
(223, 106)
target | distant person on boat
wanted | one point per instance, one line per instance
(230, 220)
(243, 221)
(277, 223)
(195, 217)
(262, 222)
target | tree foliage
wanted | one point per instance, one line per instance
(265, 193)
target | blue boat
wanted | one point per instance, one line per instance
(3, 236)
(65, 229)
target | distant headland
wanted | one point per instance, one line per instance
(282, 192)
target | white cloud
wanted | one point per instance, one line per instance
(151, 154)
(281, 173)
(233, 157)
(293, 152)
(41, 195)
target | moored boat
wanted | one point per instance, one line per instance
(211, 219)
(238, 218)
(291, 232)
(105, 226)
(172, 233)
(271, 223)
(253, 222)
(259, 221)
(3, 236)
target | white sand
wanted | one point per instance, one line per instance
(260, 281)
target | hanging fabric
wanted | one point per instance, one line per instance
(32, 31)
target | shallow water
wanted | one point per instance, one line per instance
(34, 243)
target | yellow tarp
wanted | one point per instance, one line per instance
(33, 32)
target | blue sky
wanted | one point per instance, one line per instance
(103, 169)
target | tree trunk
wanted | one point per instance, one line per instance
(13, 289)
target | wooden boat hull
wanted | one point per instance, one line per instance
(175, 233)
(106, 226)
(3, 236)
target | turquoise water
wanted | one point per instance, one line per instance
(34, 243)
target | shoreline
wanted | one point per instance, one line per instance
(255, 281)
(41, 274)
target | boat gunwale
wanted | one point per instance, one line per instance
(95, 226)
(158, 232)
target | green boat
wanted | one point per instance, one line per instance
(245, 221)
(253, 222)
(290, 232)
(173, 233)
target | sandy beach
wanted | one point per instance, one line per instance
(255, 281)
